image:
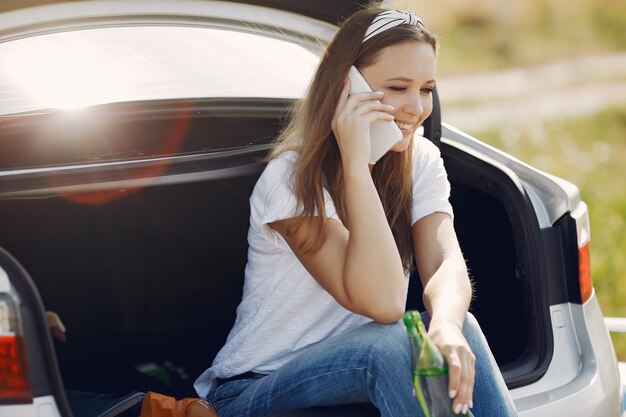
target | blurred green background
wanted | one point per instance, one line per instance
(580, 46)
(483, 35)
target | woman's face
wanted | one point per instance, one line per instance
(405, 73)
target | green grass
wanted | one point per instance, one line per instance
(492, 34)
(590, 152)
(471, 49)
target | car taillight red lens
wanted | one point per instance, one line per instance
(584, 273)
(14, 381)
(581, 215)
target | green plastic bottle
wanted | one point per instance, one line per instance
(430, 371)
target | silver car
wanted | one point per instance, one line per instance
(131, 135)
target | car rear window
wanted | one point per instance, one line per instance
(96, 66)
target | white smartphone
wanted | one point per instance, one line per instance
(383, 133)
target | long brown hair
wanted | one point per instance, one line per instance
(309, 132)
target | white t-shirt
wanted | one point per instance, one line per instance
(283, 308)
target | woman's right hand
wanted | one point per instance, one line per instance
(352, 119)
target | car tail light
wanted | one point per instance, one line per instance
(14, 381)
(581, 216)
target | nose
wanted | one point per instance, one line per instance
(414, 104)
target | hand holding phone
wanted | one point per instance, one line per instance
(384, 134)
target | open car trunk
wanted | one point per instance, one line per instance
(147, 274)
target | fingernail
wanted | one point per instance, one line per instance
(471, 404)
(457, 409)
(452, 394)
(379, 93)
(464, 408)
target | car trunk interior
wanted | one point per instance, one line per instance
(147, 281)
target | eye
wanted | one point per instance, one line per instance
(397, 88)
(427, 90)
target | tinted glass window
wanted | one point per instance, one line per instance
(80, 68)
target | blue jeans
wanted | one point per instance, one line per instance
(369, 364)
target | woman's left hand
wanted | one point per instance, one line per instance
(461, 361)
(447, 295)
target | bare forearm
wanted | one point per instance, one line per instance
(448, 293)
(373, 270)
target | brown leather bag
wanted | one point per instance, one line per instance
(159, 405)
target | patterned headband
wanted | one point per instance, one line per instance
(390, 19)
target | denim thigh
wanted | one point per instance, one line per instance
(369, 364)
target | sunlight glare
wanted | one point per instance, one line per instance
(60, 77)
(110, 65)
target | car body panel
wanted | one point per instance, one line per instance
(41, 407)
(102, 13)
(593, 379)
(331, 11)
(574, 374)
(552, 196)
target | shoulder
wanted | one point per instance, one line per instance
(427, 159)
(282, 164)
(424, 150)
(274, 188)
(278, 171)
(273, 197)
(431, 188)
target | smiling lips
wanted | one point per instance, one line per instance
(405, 126)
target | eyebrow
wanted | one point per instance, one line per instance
(409, 80)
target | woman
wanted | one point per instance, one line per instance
(333, 239)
